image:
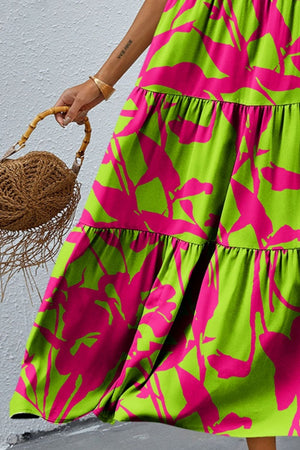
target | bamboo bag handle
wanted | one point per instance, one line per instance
(79, 157)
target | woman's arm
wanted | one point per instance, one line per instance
(83, 97)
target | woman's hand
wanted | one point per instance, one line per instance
(81, 99)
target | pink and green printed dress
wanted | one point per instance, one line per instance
(176, 298)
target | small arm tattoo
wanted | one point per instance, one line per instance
(122, 53)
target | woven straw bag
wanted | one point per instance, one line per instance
(38, 198)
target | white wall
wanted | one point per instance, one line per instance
(46, 46)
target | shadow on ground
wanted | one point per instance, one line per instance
(92, 434)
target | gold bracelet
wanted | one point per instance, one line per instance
(105, 89)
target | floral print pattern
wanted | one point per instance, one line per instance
(176, 297)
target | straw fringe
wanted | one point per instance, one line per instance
(24, 250)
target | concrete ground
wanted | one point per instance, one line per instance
(95, 435)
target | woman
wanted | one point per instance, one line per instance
(176, 297)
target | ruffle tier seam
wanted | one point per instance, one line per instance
(212, 243)
(209, 100)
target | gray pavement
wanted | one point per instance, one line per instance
(92, 434)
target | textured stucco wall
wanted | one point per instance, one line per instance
(46, 46)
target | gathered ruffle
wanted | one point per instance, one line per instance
(201, 170)
(242, 52)
(142, 326)
(182, 253)
(176, 297)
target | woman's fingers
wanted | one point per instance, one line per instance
(59, 117)
(73, 111)
(80, 99)
(81, 116)
(66, 99)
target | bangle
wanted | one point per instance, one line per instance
(105, 89)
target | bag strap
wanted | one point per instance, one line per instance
(79, 157)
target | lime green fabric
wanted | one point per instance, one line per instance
(176, 298)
